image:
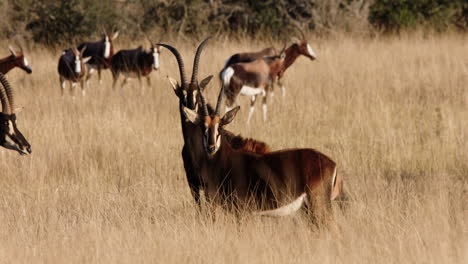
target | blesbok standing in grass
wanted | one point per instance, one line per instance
(10, 136)
(274, 183)
(101, 53)
(16, 59)
(193, 151)
(72, 68)
(135, 63)
(251, 79)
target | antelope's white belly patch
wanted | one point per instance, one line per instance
(249, 91)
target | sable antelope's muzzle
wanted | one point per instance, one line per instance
(27, 69)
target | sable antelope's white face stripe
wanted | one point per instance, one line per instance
(106, 47)
(11, 130)
(77, 64)
(156, 59)
(249, 91)
(25, 61)
(311, 51)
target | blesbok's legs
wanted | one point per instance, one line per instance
(62, 85)
(90, 71)
(99, 75)
(72, 88)
(115, 77)
(253, 99)
(283, 89)
(124, 82)
(148, 81)
(264, 106)
(82, 84)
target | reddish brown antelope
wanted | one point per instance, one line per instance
(15, 60)
(193, 151)
(72, 68)
(251, 79)
(135, 63)
(101, 53)
(276, 183)
(10, 136)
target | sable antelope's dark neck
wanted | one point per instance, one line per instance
(8, 63)
(291, 55)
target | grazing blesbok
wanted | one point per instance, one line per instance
(251, 79)
(135, 63)
(10, 136)
(16, 59)
(72, 68)
(193, 152)
(101, 53)
(276, 183)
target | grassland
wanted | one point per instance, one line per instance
(105, 182)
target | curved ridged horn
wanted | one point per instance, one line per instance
(4, 98)
(196, 60)
(183, 78)
(301, 31)
(220, 100)
(203, 103)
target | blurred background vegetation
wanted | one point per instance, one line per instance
(53, 22)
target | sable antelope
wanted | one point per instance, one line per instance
(10, 136)
(15, 60)
(193, 153)
(101, 53)
(251, 79)
(72, 67)
(135, 63)
(263, 181)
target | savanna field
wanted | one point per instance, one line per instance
(105, 182)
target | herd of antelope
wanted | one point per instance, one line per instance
(235, 173)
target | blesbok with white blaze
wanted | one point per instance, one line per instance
(10, 136)
(72, 68)
(193, 151)
(16, 59)
(274, 183)
(101, 53)
(135, 63)
(251, 79)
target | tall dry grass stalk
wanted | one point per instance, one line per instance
(105, 182)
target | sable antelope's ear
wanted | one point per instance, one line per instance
(229, 116)
(12, 51)
(205, 82)
(116, 34)
(174, 83)
(85, 60)
(191, 115)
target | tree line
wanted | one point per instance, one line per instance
(52, 22)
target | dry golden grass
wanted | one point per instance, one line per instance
(105, 182)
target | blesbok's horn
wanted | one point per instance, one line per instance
(301, 31)
(203, 102)
(196, 60)
(4, 95)
(174, 51)
(220, 100)
(12, 51)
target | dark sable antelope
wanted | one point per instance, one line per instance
(101, 53)
(10, 136)
(72, 68)
(135, 63)
(14, 60)
(274, 183)
(251, 79)
(193, 151)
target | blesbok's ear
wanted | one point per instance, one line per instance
(12, 51)
(174, 83)
(191, 115)
(229, 116)
(205, 82)
(115, 35)
(85, 60)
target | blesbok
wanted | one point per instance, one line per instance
(135, 63)
(251, 79)
(193, 153)
(16, 59)
(10, 136)
(275, 183)
(72, 68)
(101, 53)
